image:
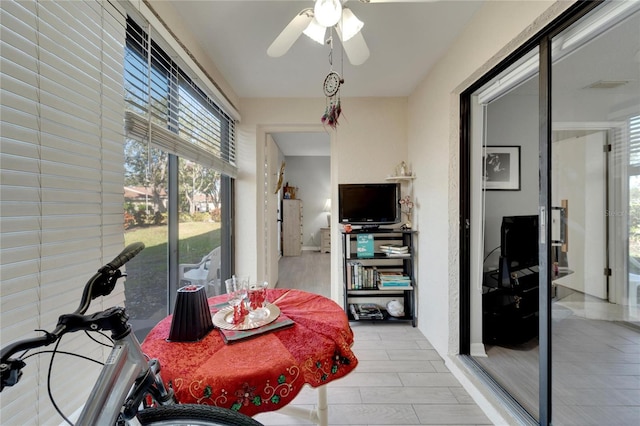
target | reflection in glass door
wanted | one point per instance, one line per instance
(633, 223)
(505, 182)
(578, 142)
(595, 333)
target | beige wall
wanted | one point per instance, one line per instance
(368, 143)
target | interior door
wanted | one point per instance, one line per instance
(272, 209)
(580, 176)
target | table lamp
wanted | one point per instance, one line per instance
(191, 317)
(327, 208)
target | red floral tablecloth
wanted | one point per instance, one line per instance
(263, 373)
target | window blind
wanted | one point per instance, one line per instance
(166, 107)
(634, 144)
(61, 183)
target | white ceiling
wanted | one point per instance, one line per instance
(303, 144)
(404, 38)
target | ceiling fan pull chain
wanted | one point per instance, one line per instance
(330, 43)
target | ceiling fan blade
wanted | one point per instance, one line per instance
(290, 34)
(398, 1)
(356, 48)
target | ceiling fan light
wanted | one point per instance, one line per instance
(315, 31)
(327, 12)
(349, 25)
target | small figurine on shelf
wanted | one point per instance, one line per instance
(402, 170)
(406, 205)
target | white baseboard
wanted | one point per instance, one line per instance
(477, 349)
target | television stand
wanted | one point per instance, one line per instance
(370, 227)
(510, 313)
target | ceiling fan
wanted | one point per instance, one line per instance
(314, 21)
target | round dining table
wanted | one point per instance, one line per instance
(262, 372)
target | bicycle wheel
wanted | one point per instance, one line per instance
(194, 414)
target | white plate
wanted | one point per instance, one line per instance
(224, 319)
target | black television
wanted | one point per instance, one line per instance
(518, 245)
(369, 204)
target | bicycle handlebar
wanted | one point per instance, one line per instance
(101, 284)
(126, 255)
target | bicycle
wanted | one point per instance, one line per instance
(129, 389)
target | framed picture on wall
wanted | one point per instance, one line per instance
(501, 170)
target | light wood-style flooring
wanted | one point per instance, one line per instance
(309, 272)
(400, 379)
(596, 365)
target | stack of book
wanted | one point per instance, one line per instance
(360, 277)
(394, 281)
(369, 311)
(393, 250)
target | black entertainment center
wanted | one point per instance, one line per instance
(510, 298)
(377, 254)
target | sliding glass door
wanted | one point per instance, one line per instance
(550, 301)
(506, 185)
(595, 328)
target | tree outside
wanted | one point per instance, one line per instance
(146, 202)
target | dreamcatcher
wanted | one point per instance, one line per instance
(331, 87)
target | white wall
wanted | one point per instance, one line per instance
(312, 176)
(512, 120)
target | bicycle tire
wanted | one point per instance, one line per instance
(194, 414)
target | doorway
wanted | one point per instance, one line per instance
(305, 159)
(580, 188)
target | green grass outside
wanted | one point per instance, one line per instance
(146, 285)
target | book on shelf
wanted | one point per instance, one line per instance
(365, 311)
(395, 288)
(398, 254)
(393, 276)
(394, 248)
(394, 280)
(360, 277)
(394, 284)
(364, 245)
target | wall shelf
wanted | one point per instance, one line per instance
(396, 178)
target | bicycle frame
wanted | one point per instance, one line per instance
(122, 368)
(128, 380)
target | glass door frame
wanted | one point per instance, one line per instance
(543, 41)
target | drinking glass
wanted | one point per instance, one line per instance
(257, 296)
(236, 295)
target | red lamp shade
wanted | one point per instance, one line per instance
(191, 317)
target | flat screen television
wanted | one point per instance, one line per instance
(518, 244)
(369, 204)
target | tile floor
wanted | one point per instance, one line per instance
(400, 380)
